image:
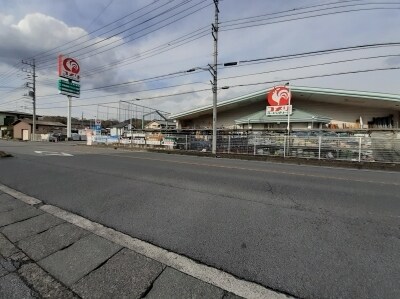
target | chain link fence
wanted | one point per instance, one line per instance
(360, 147)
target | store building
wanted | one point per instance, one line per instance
(313, 108)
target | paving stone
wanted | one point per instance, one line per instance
(125, 275)
(12, 287)
(71, 264)
(56, 238)
(16, 215)
(29, 227)
(7, 265)
(43, 283)
(3, 271)
(174, 284)
(8, 203)
(6, 247)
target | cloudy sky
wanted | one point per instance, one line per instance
(141, 49)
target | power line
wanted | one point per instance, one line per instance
(320, 52)
(125, 30)
(167, 46)
(101, 12)
(232, 27)
(174, 21)
(299, 11)
(318, 76)
(245, 85)
(148, 98)
(88, 34)
(130, 92)
(150, 79)
(311, 65)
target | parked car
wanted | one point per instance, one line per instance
(55, 137)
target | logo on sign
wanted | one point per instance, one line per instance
(278, 99)
(71, 65)
(279, 96)
(68, 68)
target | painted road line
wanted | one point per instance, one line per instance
(21, 196)
(183, 264)
(48, 153)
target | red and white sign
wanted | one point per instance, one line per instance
(68, 68)
(279, 110)
(279, 101)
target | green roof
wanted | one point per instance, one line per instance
(295, 90)
(298, 116)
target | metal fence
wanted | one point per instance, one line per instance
(361, 148)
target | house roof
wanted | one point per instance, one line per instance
(17, 113)
(297, 116)
(40, 122)
(345, 97)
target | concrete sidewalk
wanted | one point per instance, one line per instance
(44, 256)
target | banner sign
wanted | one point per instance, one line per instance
(68, 68)
(278, 99)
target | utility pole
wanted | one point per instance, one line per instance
(215, 78)
(33, 94)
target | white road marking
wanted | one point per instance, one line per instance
(47, 153)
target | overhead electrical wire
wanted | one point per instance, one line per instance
(130, 92)
(268, 59)
(232, 27)
(101, 12)
(123, 31)
(251, 74)
(148, 98)
(317, 76)
(245, 85)
(123, 43)
(325, 4)
(150, 79)
(310, 65)
(182, 40)
(60, 47)
(298, 11)
(322, 52)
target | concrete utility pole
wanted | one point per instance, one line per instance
(214, 69)
(33, 73)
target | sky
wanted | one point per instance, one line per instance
(127, 48)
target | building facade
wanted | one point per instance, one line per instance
(313, 108)
(7, 118)
(22, 128)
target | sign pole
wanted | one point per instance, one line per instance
(69, 118)
(288, 119)
(68, 68)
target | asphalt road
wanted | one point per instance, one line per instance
(312, 232)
